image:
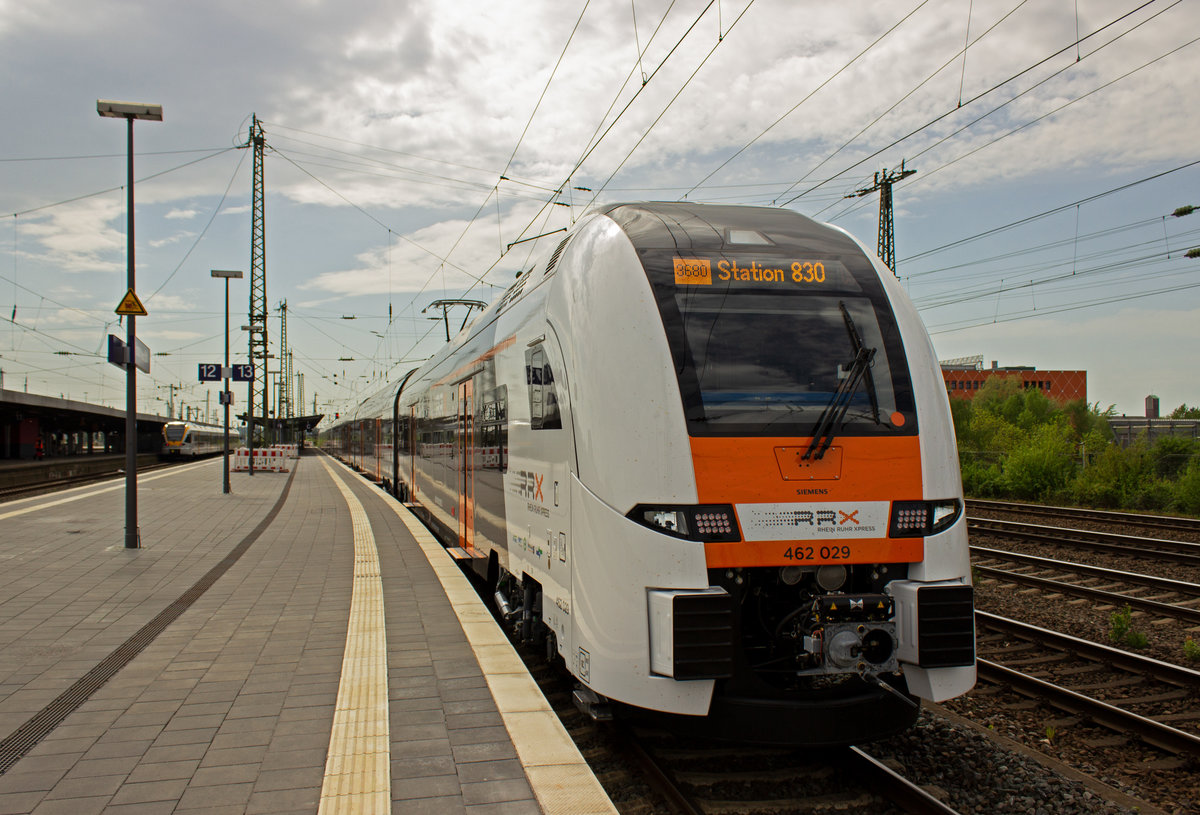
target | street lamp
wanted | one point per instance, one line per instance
(226, 395)
(151, 113)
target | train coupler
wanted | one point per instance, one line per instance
(592, 704)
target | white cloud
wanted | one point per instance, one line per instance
(456, 84)
(79, 237)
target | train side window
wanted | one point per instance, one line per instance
(543, 399)
(493, 430)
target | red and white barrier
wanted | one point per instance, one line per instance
(269, 460)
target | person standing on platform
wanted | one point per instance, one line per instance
(39, 449)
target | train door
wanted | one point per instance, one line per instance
(412, 452)
(378, 450)
(552, 418)
(466, 467)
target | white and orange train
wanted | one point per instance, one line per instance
(705, 454)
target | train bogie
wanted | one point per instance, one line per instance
(703, 453)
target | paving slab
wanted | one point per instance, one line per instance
(229, 705)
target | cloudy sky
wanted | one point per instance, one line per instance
(410, 142)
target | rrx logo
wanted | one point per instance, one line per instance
(529, 485)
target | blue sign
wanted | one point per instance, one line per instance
(243, 373)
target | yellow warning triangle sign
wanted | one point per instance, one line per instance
(131, 306)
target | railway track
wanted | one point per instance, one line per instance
(1127, 520)
(647, 771)
(1129, 719)
(1111, 543)
(722, 779)
(42, 487)
(1184, 592)
(1144, 698)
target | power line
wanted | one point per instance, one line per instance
(672, 101)
(143, 180)
(808, 96)
(974, 99)
(1048, 212)
(549, 80)
(110, 155)
(951, 327)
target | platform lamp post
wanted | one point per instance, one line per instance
(226, 394)
(152, 113)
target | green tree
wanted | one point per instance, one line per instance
(1185, 412)
(1042, 466)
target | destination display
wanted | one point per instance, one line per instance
(765, 272)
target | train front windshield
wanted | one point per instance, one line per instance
(772, 343)
(174, 432)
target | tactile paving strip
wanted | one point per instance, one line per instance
(358, 765)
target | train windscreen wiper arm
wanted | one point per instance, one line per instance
(835, 411)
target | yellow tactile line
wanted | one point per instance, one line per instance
(358, 773)
(560, 777)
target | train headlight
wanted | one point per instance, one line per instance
(914, 519)
(706, 522)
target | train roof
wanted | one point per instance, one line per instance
(678, 225)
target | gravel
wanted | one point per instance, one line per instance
(979, 775)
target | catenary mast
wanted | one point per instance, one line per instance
(258, 287)
(886, 246)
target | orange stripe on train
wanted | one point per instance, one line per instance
(773, 471)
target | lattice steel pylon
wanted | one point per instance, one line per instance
(283, 409)
(291, 388)
(886, 243)
(258, 284)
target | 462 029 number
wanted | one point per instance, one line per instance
(813, 552)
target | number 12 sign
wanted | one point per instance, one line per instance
(212, 372)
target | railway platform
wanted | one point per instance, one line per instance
(299, 645)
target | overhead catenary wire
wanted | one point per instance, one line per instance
(672, 101)
(108, 190)
(216, 211)
(1045, 213)
(1124, 297)
(542, 215)
(1058, 109)
(959, 107)
(807, 96)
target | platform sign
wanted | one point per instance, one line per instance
(212, 372)
(118, 353)
(225, 398)
(141, 355)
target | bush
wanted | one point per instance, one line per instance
(1187, 490)
(1043, 466)
(1014, 442)
(1170, 455)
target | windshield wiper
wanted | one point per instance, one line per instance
(835, 411)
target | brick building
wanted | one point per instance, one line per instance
(964, 377)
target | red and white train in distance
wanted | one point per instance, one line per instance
(705, 454)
